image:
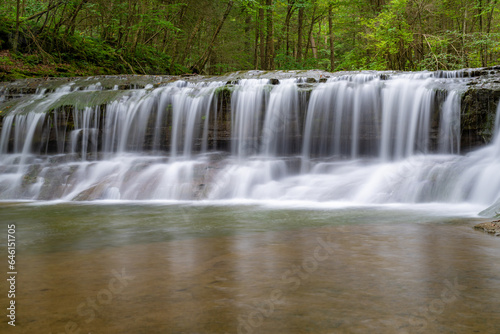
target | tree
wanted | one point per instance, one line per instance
(215, 36)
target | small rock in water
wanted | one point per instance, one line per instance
(490, 227)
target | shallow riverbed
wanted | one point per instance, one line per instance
(164, 267)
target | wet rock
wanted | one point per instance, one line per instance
(92, 193)
(489, 227)
(492, 211)
(479, 105)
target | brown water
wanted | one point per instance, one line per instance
(245, 269)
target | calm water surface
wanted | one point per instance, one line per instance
(204, 268)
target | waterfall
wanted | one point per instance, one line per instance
(361, 138)
(450, 125)
(281, 128)
(406, 113)
(248, 100)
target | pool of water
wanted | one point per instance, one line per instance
(202, 267)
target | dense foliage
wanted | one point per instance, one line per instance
(75, 37)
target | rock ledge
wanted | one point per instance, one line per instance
(490, 227)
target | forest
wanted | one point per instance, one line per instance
(40, 38)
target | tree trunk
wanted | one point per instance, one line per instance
(200, 64)
(140, 11)
(61, 18)
(49, 8)
(70, 28)
(175, 51)
(489, 16)
(289, 14)
(270, 37)
(313, 47)
(261, 40)
(46, 17)
(299, 34)
(332, 45)
(256, 45)
(248, 38)
(309, 35)
(189, 42)
(483, 47)
(463, 40)
(16, 35)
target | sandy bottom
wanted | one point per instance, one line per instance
(406, 278)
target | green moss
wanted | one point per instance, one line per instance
(84, 99)
(6, 61)
(224, 91)
(78, 99)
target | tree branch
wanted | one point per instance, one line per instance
(34, 16)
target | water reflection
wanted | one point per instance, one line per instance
(330, 278)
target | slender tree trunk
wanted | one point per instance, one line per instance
(57, 25)
(174, 58)
(314, 48)
(130, 20)
(46, 17)
(299, 34)
(120, 32)
(200, 64)
(61, 20)
(489, 17)
(480, 15)
(483, 47)
(140, 10)
(70, 28)
(289, 14)
(248, 38)
(270, 37)
(309, 35)
(16, 35)
(49, 8)
(332, 45)
(256, 44)
(261, 40)
(463, 40)
(189, 42)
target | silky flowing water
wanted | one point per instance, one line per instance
(250, 205)
(211, 268)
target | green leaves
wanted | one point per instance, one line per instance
(389, 31)
(160, 36)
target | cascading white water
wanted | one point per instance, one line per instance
(363, 138)
(281, 128)
(385, 118)
(191, 112)
(86, 131)
(247, 104)
(406, 113)
(450, 125)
